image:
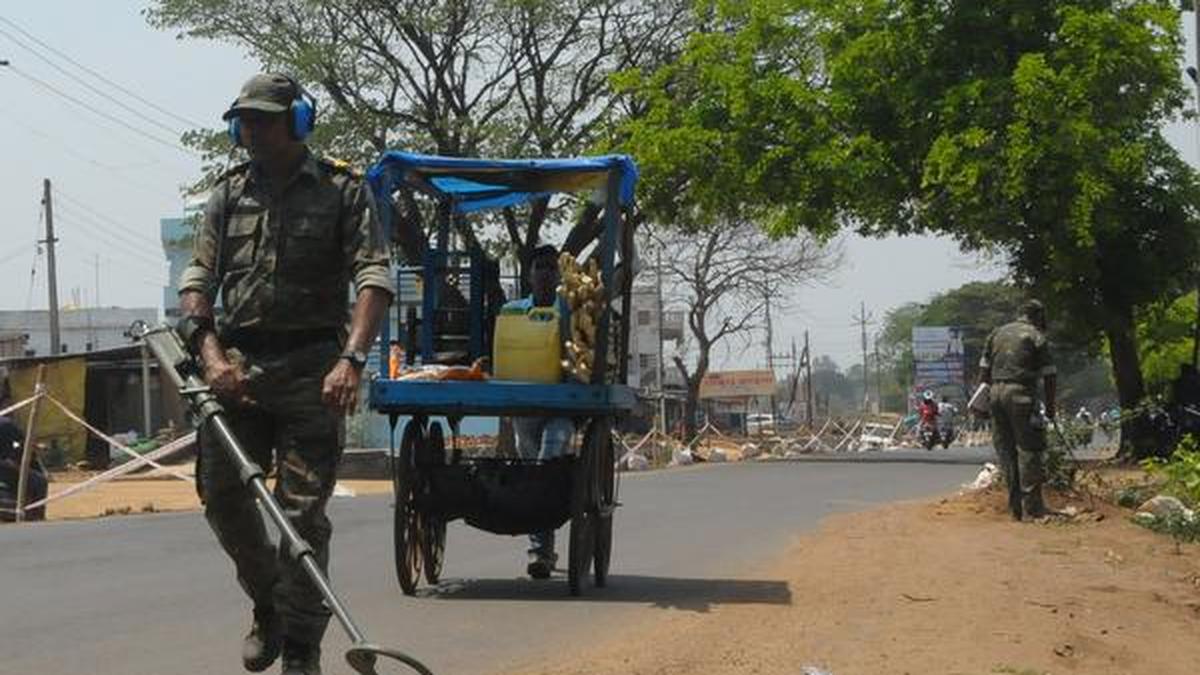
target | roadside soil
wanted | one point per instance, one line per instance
(947, 586)
(149, 495)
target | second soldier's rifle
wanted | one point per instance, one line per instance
(184, 371)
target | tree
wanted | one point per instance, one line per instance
(1166, 338)
(1032, 128)
(978, 308)
(722, 275)
(451, 77)
(1028, 128)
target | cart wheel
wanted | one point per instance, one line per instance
(433, 526)
(406, 536)
(583, 517)
(607, 501)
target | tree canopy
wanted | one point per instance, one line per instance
(1029, 128)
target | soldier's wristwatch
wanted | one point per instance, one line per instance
(356, 358)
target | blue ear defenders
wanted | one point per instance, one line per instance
(302, 117)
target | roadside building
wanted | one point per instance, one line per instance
(730, 398)
(81, 330)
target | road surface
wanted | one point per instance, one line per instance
(152, 594)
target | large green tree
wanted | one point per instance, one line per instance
(977, 308)
(453, 77)
(1029, 128)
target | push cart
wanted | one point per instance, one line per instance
(460, 297)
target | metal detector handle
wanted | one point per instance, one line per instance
(181, 367)
(184, 372)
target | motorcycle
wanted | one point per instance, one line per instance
(928, 435)
(946, 432)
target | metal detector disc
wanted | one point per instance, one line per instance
(371, 659)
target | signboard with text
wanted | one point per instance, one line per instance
(938, 356)
(737, 384)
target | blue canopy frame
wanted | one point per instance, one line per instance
(466, 185)
(471, 184)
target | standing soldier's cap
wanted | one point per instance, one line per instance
(1033, 308)
(268, 92)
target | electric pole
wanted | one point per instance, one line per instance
(862, 320)
(52, 275)
(662, 369)
(808, 383)
(878, 378)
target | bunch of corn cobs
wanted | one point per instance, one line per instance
(583, 292)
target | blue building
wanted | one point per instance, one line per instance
(178, 233)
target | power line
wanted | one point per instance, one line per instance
(128, 247)
(102, 78)
(89, 212)
(106, 170)
(87, 106)
(89, 86)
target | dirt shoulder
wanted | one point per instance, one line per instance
(949, 586)
(122, 497)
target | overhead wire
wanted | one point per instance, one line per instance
(88, 229)
(36, 257)
(89, 86)
(102, 78)
(107, 170)
(94, 215)
(87, 106)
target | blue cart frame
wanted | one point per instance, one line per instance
(503, 496)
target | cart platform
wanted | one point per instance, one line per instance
(494, 398)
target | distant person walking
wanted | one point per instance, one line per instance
(1015, 356)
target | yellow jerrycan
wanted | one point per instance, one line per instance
(527, 346)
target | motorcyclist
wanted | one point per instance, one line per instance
(945, 418)
(928, 410)
(927, 430)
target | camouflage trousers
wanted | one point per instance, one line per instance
(290, 430)
(1020, 444)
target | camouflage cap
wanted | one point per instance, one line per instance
(1033, 308)
(268, 92)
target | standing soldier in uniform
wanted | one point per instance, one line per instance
(1015, 357)
(283, 237)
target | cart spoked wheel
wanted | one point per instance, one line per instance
(406, 531)
(433, 526)
(584, 486)
(606, 468)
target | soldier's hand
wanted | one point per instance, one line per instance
(227, 380)
(340, 389)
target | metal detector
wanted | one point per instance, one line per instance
(184, 372)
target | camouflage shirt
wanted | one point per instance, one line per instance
(1017, 352)
(288, 256)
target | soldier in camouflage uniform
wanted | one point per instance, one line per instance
(1015, 357)
(283, 237)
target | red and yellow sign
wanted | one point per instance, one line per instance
(737, 384)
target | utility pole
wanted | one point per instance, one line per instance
(52, 275)
(862, 320)
(878, 378)
(808, 383)
(662, 369)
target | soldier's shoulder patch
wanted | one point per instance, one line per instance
(235, 170)
(340, 166)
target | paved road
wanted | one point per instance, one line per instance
(152, 595)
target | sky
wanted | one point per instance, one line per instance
(112, 183)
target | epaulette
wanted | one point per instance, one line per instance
(235, 170)
(340, 166)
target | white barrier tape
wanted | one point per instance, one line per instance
(639, 444)
(849, 435)
(17, 406)
(116, 444)
(128, 467)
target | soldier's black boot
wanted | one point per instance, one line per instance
(262, 643)
(300, 658)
